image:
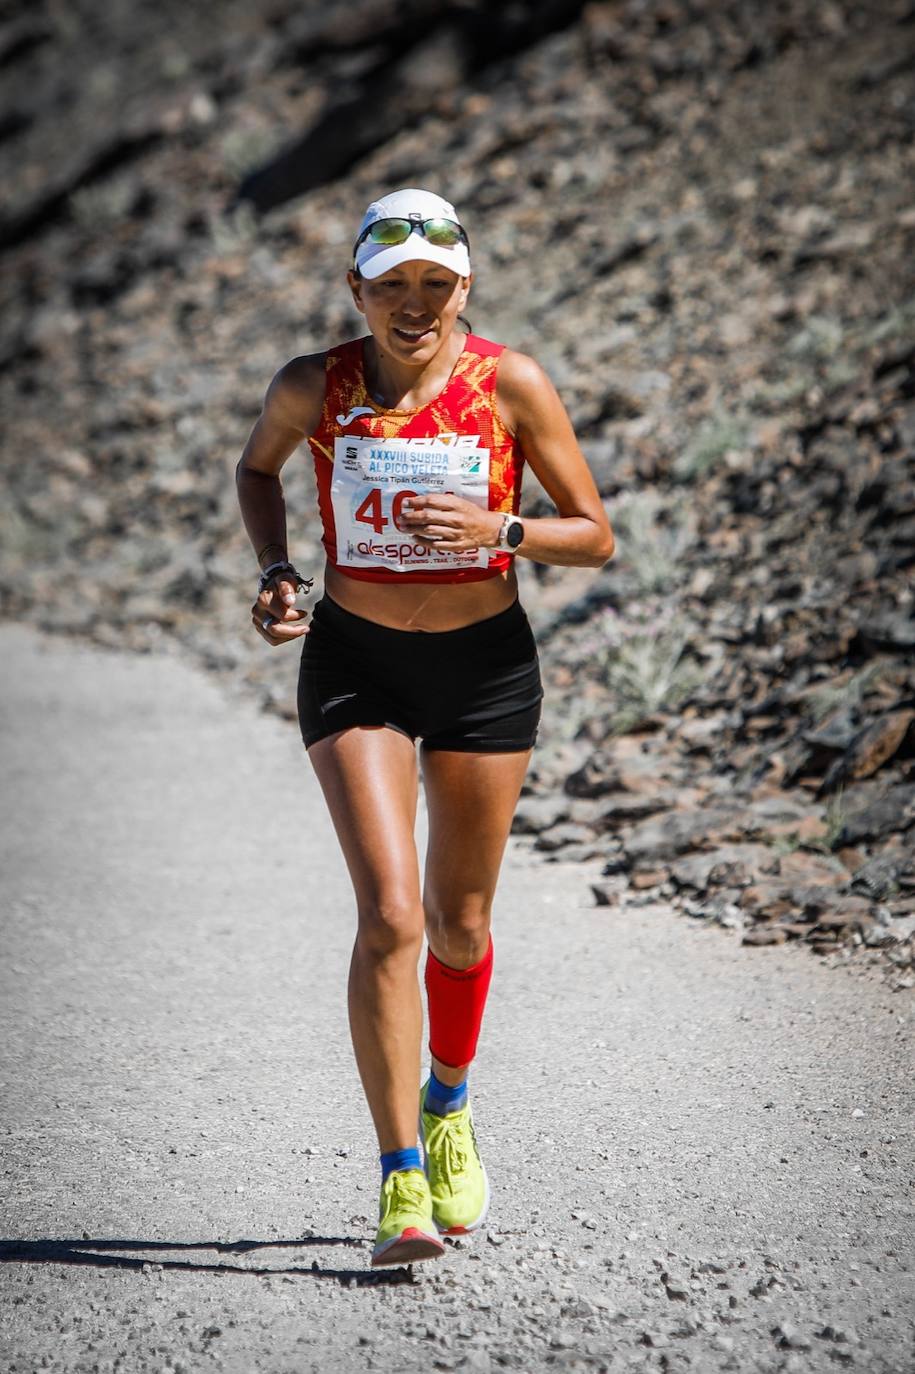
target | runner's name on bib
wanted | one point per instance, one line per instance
(372, 479)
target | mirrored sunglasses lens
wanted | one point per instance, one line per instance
(389, 231)
(443, 232)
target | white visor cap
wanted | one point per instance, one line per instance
(373, 259)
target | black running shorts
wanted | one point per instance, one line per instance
(476, 689)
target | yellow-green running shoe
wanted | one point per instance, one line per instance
(406, 1231)
(457, 1179)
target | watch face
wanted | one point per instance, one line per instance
(515, 534)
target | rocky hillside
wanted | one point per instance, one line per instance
(698, 214)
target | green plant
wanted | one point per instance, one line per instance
(898, 322)
(715, 436)
(830, 697)
(835, 818)
(235, 230)
(22, 540)
(783, 844)
(648, 673)
(103, 204)
(783, 392)
(840, 374)
(653, 549)
(245, 148)
(820, 338)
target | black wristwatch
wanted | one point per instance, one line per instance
(511, 533)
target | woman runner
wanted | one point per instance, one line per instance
(418, 432)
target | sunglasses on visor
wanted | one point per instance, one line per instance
(444, 233)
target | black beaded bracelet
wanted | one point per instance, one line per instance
(288, 572)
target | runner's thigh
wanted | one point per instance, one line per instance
(369, 779)
(471, 800)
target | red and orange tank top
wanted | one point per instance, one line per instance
(368, 460)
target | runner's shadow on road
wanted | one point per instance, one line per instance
(94, 1253)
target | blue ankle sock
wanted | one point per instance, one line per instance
(400, 1159)
(442, 1099)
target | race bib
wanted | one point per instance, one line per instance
(372, 479)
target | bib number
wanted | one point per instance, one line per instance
(372, 480)
(371, 511)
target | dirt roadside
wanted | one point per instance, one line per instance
(711, 1169)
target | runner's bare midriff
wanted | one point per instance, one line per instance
(422, 605)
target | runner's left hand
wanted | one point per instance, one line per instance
(441, 520)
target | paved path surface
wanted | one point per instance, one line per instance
(711, 1171)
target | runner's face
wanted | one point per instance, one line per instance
(412, 309)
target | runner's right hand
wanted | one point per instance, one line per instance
(288, 624)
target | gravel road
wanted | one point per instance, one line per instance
(711, 1170)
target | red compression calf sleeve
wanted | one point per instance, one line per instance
(457, 997)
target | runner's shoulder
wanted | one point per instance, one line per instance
(296, 394)
(520, 382)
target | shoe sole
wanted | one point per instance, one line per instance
(411, 1245)
(471, 1226)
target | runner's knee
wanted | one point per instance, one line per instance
(390, 926)
(459, 931)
